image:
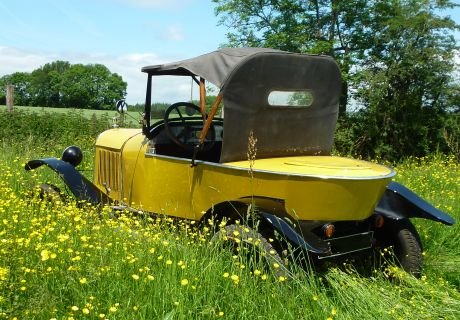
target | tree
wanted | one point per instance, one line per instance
(333, 27)
(60, 84)
(21, 82)
(91, 86)
(406, 80)
(396, 58)
(46, 84)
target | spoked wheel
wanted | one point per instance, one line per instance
(403, 239)
(49, 192)
(252, 246)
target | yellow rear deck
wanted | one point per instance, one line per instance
(319, 166)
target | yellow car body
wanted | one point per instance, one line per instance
(311, 187)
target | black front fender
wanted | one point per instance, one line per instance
(398, 202)
(81, 187)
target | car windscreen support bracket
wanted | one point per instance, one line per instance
(206, 127)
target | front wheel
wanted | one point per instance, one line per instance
(253, 246)
(49, 192)
(403, 238)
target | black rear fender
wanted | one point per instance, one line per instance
(398, 202)
(268, 214)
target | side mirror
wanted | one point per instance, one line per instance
(122, 106)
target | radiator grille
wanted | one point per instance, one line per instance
(109, 169)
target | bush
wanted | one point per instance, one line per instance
(48, 128)
(358, 134)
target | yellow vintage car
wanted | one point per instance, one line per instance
(266, 161)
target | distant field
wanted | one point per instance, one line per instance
(131, 119)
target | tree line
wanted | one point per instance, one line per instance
(401, 89)
(61, 84)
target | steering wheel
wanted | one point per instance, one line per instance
(188, 137)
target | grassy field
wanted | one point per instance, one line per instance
(63, 261)
(132, 119)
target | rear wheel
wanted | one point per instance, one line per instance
(252, 246)
(403, 239)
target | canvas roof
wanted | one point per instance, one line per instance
(215, 66)
(247, 77)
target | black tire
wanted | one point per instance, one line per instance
(259, 249)
(49, 192)
(402, 237)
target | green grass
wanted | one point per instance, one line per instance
(132, 119)
(67, 261)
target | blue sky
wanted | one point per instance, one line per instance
(124, 35)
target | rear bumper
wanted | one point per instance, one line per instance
(352, 240)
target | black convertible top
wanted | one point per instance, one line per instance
(215, 66)
(247, 77)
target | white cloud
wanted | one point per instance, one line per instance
(16, 60)
(173, 33)
(167, 89)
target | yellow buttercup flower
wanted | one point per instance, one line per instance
(45, 255)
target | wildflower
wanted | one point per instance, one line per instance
(257, 272)
(235, 278)
(63, 237)
(113, 309)
(150, 277)
(334, 312)
(168, 262)
(45, 254)
(281, 279)
(3, 273)
(74, 308)
(184, 282)
(85, 311)
(221, 313)
(135, 277)
(83, 280)
(226, 274)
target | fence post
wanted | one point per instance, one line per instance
(9, 97)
